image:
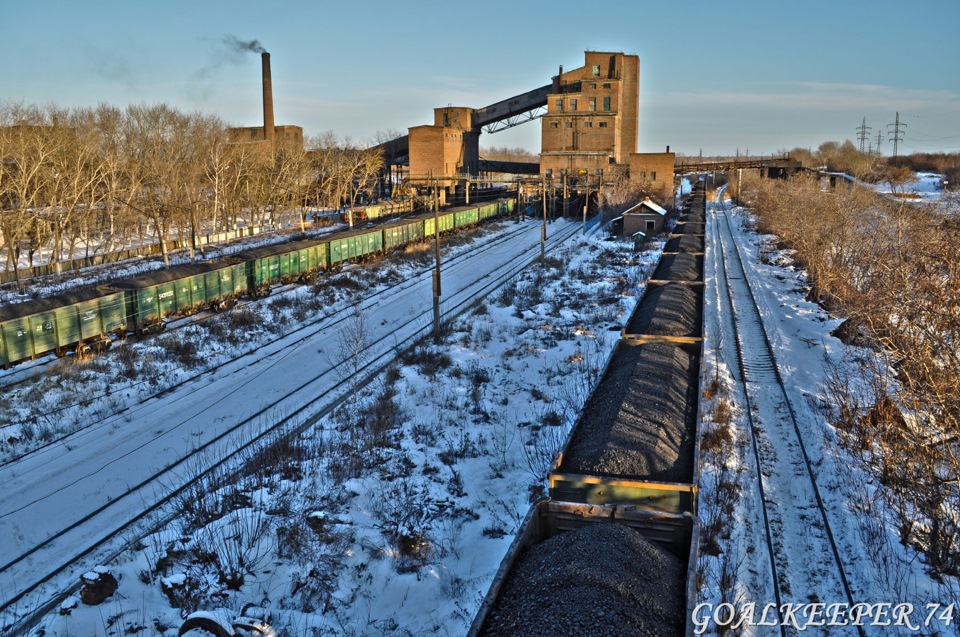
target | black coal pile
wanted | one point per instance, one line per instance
(600, 580)
(684, 243)
(677, 267)
(667, 310)
(640, 422)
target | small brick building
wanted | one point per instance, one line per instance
(646, 217)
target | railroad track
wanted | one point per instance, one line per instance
(32, 588)
(324, 321)
(804, 561)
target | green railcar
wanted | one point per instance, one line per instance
(447, 223)
(180, 291)
(59, 324)
(486, 211)
(401, 233)
(465, 217)
(225, 283)
(354, 245)
(284, 263)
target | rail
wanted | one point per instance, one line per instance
(295, 420)
(786, 479)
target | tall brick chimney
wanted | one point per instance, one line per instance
(268, 126)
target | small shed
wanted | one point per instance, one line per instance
(646, 217)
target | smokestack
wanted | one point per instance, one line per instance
(268, 127)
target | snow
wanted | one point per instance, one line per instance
(878, 567)
(391, 514)
(407, 528)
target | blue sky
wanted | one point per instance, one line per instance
(756, 75)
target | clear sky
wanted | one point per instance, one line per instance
(757, 75)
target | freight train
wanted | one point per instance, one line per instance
(631, 459)
(87, 321)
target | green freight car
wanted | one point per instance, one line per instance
(84, 320)
(466, 216)
(77, 322)
(401, 233)
(181, 291)
(284, 263)
(356, 244)
(446, 219)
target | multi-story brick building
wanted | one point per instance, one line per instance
(592, 115)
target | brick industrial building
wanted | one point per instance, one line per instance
(590, 124)
(589, 129)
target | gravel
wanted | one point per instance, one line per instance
(602, 579)
(667, 310)
(640, 422)
(678, 267)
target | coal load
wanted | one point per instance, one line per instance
(667, 310)
(691, 228)
(599, 580)
(640, 422)
(692, 217)
(684, 243)
(677, 267)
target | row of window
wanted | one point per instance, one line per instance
(569, 124)
(591, 104)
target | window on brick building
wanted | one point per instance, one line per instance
(588, 124)
(596, 70)
(569, 123)
(592, 104)
(593, 85)
(603, 124)
(559, 106)
(606, 103)
(573, 104)
(653, 175)
(554, 125)
(607, 85)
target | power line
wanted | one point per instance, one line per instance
(863, 128)
(896, 133)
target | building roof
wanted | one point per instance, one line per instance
(646, 206)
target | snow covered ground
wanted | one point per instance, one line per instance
(880, 570)
(391, 515)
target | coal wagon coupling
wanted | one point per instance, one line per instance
(87, 321)
(613, 549)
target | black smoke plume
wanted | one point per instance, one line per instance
(227, 51)
(236, 44)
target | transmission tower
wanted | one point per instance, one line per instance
(862, 132)
(879, 139)
(895, 135)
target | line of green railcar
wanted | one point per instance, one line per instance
(86, 320)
